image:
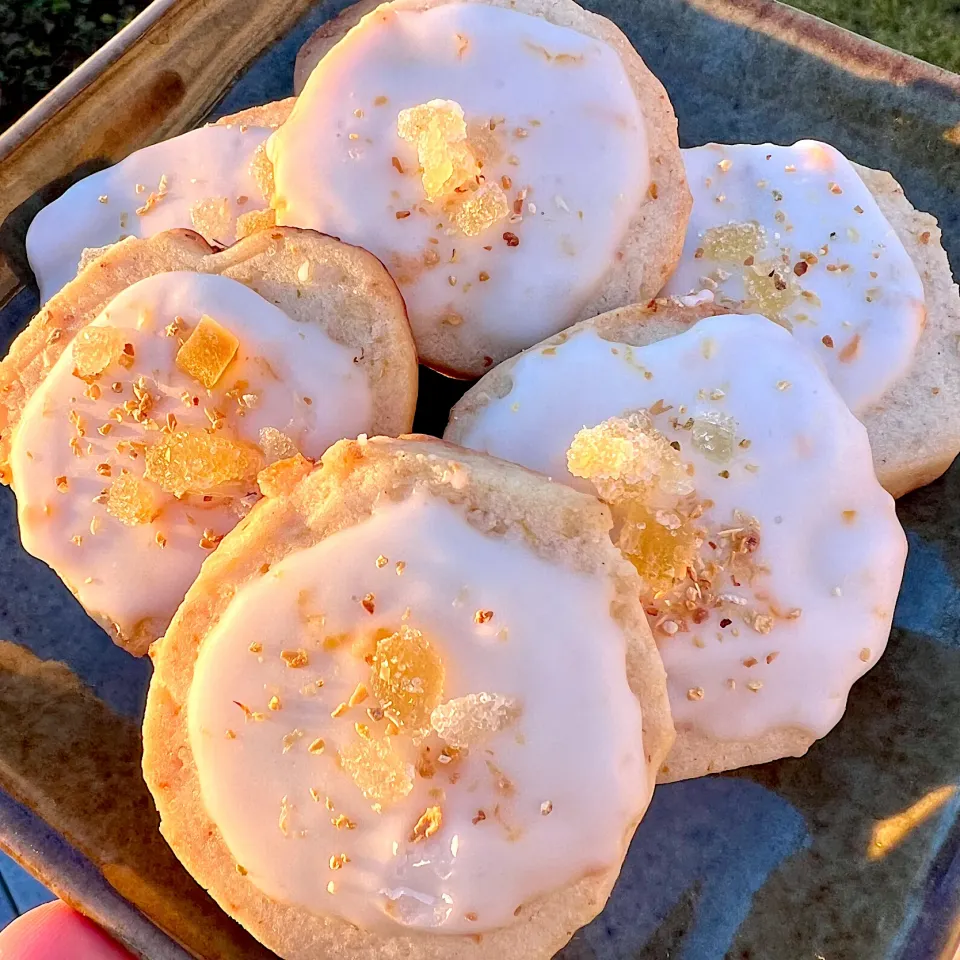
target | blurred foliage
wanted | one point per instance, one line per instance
(41, 41)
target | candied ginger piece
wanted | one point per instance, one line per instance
(733, 242)
(194, 461)
(481, 209)
(407, 677)
(439, 132)
(254, 220)
(379, 772)
(96, 348)
(131, 500)
(467, 721)
(484, 142)
(90, 254)
(281, 477)
(261, 169)
(207, 352)
(211, 217)
(276, 445)
(625, 455)
(770, 288)
(661, 544)
(634, 468)
(714, 434)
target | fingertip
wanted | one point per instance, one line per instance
(55, 931)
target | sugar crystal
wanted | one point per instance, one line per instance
(467, 721)
(276, 445)
(714, 434)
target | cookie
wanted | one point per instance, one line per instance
(411, 706)
(836, 254)
(204, 180)
(744, 493)
(138, 407)
(515, 166)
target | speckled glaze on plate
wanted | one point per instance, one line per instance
(850, 853)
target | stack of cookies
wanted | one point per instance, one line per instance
(412, 696)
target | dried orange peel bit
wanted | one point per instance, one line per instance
(194, 461)
(407, 677)
(438, 130)
(207, 352)
(378, 771)
(131, 500)
(94, 349)
(429, 823)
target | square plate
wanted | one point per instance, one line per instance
(849, 853)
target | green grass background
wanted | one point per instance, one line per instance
(41, 41)
(928, 29)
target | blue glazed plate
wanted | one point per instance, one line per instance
(849, 853)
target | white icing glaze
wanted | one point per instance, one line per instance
(582, 158)
(870, 312)
(808, 461)
(592, 769)
(695, 299)
(213, 162)
(120, 571)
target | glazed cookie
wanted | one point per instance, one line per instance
(138, 407)
(836, 254)
(209, 180)
(411, 707)
(515, 166)
(745, 496)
